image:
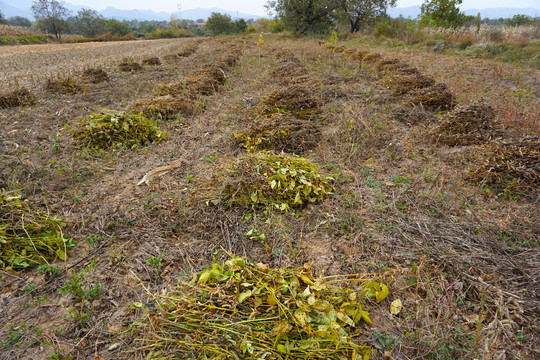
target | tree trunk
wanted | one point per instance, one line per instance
(355, 25)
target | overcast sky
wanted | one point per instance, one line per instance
(256, 7)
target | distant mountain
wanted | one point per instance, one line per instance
(22, 8)
(407, 12)
(492, 13)
(10, 10)
(113, 13)
(496, 13)
(199, 13)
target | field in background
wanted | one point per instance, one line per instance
(460, 253)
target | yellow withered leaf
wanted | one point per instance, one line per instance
(395, 307)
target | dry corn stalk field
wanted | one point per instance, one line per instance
(432, 170)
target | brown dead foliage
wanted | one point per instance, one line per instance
(401, 84)
(298, 99)
(94, 76)
(189, 49)
(358, 55)
(213, 71)
(63, 86)
(129, 66)
(203, 84)
(510, 159)
(229, 59)
(288, 69)
(279, 133)
(19, 97)
(152, 61)
(468, 125)
(371, 58)
(164, 107)
(433, 98)
(383, 64)
(414, 114)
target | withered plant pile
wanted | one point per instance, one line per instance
(434, 98)
(371, 58)
(115, 129)
(205, 81)
(298, 100)
(164, 106)
(28, 236)
(245, 310)
(289, 72)
(415, 114)
(129, 65)
(66, 85)
(94, 76)
(152, 61)
(505, 160)
(466, 125)
(402, 84)
(282, 182)
(279, 133)
(189, 49)
(14, 98)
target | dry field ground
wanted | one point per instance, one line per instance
(440, 205)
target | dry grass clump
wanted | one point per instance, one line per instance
(213, 71)
(468, 125)
(288, 69)
(390, 63)
(128, 65)
(279, 133)
(94, 76)
(229, 59)
(358, 55)
(64, 86)
(164, 107)
(432, 98)
(297, 99)
(279, 181)
(414, 114)
(203, 84)
(152, 61)
(401, 84)
(14, 98)
(241, 310)
(189, 49)
(371, 58)
(510, 161)
(28, 237)
(116, 129)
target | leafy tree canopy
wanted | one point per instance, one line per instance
(443, 13)
(51, 16)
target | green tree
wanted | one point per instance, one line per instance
(19, 21)
(443, 13)
(2, 19)
(304, 16)
(219, 23)
(89, 23)
(519, 20)
(240, 26)
(116, 27)
(51, 16)
(360, 12)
